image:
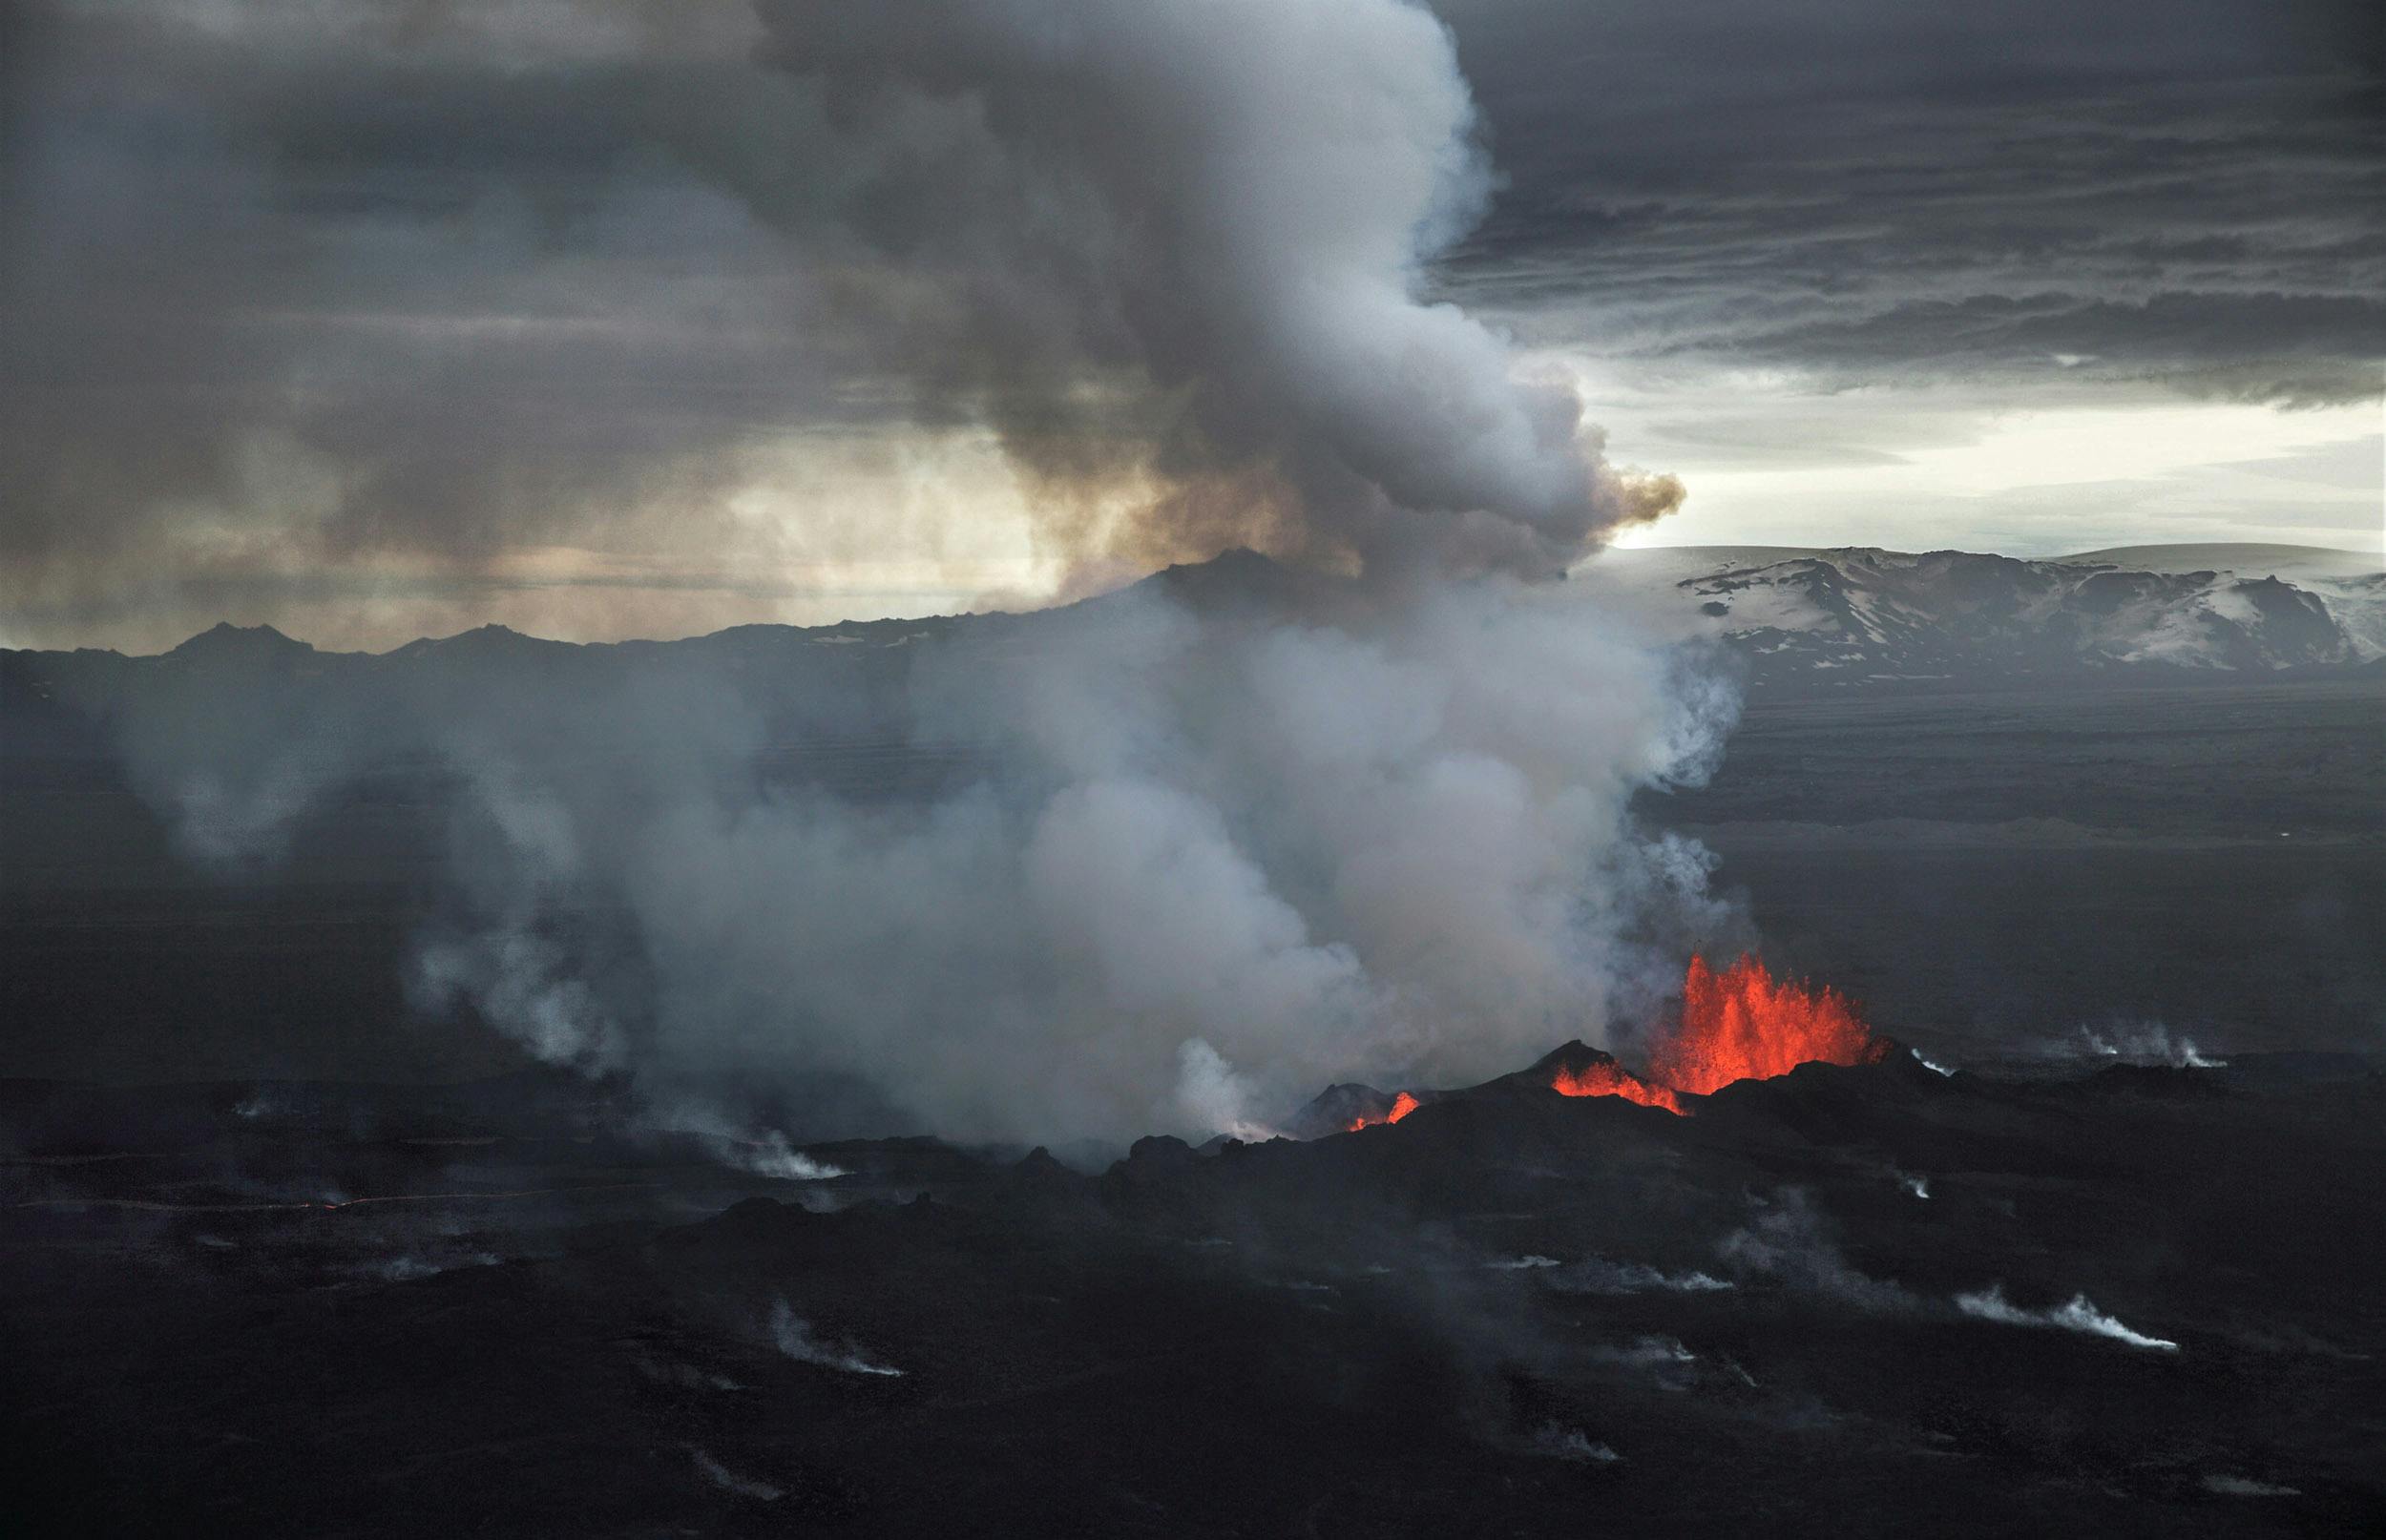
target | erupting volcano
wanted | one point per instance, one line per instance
(1738, 1025)
(1743, 1025)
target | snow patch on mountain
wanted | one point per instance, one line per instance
(1852, 614)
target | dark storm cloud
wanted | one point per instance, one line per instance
(288, 288)
(322, 289)
(1872, 190)
(445, 280)
(2267, 347)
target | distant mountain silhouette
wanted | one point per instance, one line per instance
(224, 645)
(1819, 618)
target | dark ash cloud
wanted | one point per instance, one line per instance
(392, 290)
(286, 287)
(308, 289)
(1874, 193)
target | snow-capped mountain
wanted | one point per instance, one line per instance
(1855, 615)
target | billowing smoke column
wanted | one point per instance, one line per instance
(1200, 846)
(1186, 862)
(1224, 207)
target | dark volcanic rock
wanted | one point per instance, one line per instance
(1871, 1299)
(1336, 1108)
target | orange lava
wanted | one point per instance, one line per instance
(1402, 1106)
(1610, 1080)
(1743, 1025)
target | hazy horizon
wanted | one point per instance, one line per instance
(2212, 552)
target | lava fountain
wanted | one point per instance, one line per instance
(1741, 1024)
(1402, 1106)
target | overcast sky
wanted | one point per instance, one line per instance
(375, 319)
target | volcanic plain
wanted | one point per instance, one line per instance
(2091, 1246)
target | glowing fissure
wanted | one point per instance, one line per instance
(1614, 1080)
(1402, 1106)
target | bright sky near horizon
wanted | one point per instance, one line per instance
(2046, 481)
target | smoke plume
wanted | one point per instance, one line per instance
(1791, 1240)
(1171, 858)
(1224, 209)
(2075, 1314)
(1157, 861)
(794, 1337)
(623, 315)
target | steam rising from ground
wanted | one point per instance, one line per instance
(2228, 1485)
(2143, 1042)
(1143, 864)
(727, 1480)
(1572, 1444)
(2076, 1314)
(765, 1153)
(1597, 1275)
(1790, 1240)
(793, 1336)
(1202, 864)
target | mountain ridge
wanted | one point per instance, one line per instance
(1810, 617)
(1828, 617)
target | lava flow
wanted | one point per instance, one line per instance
(1402, 1106)
(1743, 1025)
(1606, 1079)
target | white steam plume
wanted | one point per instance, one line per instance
(727, 1480)
(1201, 857)
(1210, 865)
(2143, 1042)
(1597, 1275)
(2076, 1314)
(1791, 1240)
(793, 1336)
(1189, 861)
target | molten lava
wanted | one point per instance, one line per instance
(1402, 1106)
(1606, 1079)
(1742, 1025)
